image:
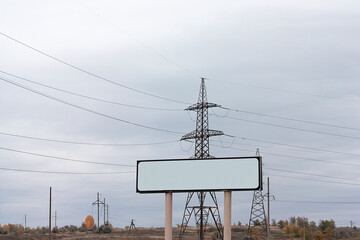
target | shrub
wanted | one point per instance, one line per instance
(83, 227)
(105, 229)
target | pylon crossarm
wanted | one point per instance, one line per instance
(201, 105)
(196, 135)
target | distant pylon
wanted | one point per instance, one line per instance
(257, 216)
(201, 135)
(133, 232)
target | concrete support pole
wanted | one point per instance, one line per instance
(227, 215)
(168, 216)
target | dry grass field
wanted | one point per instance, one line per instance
(144, 234)
(238, 233)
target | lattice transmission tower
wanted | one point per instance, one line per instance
(257, 216)
(201, 135)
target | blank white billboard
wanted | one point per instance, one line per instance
(192, 175)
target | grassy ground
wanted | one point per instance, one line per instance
(238, 233)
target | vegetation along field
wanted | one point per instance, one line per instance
(292, 228)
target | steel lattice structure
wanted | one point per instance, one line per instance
(257, 216)
(201, 134)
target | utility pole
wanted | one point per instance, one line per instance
(98, 202)
(55, 219)
(201, 135)
(98, 209)
(107, 208)
(25, 223)
(50, 216)
(268, 198)
(104, 211)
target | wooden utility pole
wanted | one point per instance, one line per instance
(55, 219)
(104, 211)
(50, 216)
(107, 211)
(98, 203)
(268, 198)
(25, 223)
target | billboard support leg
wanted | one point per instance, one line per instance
(227, 215)
(168, 216)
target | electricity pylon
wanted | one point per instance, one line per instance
(201, 135)
(257, 215)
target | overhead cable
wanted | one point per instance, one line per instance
(88, 143)
(311, 174)
(88, 110)
(290, 119)
(316, 180)
(292, 145)
(138, 41)
(57, 172)
(90, 73)
(64, 159)
(295, 157)
(315, 202)
(292, 128)
(89, 97)
(285, 91)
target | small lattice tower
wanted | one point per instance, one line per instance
(201, 135)
(258, 219)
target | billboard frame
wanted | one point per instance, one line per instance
(259, 187)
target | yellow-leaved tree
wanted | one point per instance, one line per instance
(89, 222)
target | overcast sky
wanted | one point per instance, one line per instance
(288, 70)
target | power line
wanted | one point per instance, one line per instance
(315, 202)
(311, 174)
(140, 42)
(312, 159)
(295, 157)
(260, 146)
(64, 159)
(316, 180)
(291, 145)
(89, 73)
(285, 91)
(315, 196)
(290, 119)
(292, 128)
(86, 109)
(88, 97)
(71, 173)
(87, 143)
